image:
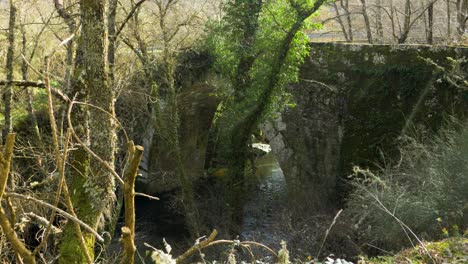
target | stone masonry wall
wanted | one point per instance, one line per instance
(352, 104)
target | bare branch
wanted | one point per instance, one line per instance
(129, 16)
(60, 211)
(59, 94)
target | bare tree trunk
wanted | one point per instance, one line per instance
(462, 16)
(430, 23)
(112, 30)
(340, 21)
(71, 24)
(449, 20)
(426, 25)
(30, 107)
(392, 18)
(345, 6)
(406, 24)
(8, 92)
(378, 16)
(367, 21)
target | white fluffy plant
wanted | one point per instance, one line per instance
(161, 257)
(283, 254)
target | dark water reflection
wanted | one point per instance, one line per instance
(267, 204)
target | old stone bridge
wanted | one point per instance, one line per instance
(352, 103)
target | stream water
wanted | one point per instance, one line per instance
(266, 205)
(263, 213)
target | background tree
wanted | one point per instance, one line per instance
(393, 21)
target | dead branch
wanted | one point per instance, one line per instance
(57, 93)
(9, 231)
(135, 153)
(43, 221)
(23, 83)
(60, 211)
(197, 247)
(210, 241)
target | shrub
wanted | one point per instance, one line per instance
(423, 196)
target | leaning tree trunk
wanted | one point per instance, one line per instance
(94, 189)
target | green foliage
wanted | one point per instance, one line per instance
(228, 43)
(426, 191)
(247, 45)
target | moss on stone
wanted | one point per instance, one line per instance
(451, 250)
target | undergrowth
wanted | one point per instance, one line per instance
(422, 197)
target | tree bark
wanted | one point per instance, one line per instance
(94, 189)
(462, 16)
(367, 21)
(430, 23)
(8, 92)
(112, 30)
(348, 17)
(340, 22)
(378, 17)
(345, 5)
(406, 24)
(449, 20)
(71, 24)
(30, 94)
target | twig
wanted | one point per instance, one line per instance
(328, 232)
(134, 9)
(43, 221)
(209, 242)
(402, 224)
(147, 196)
(198, 246)
(5, 161)
(57, 195)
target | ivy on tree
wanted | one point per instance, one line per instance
(258, 46)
